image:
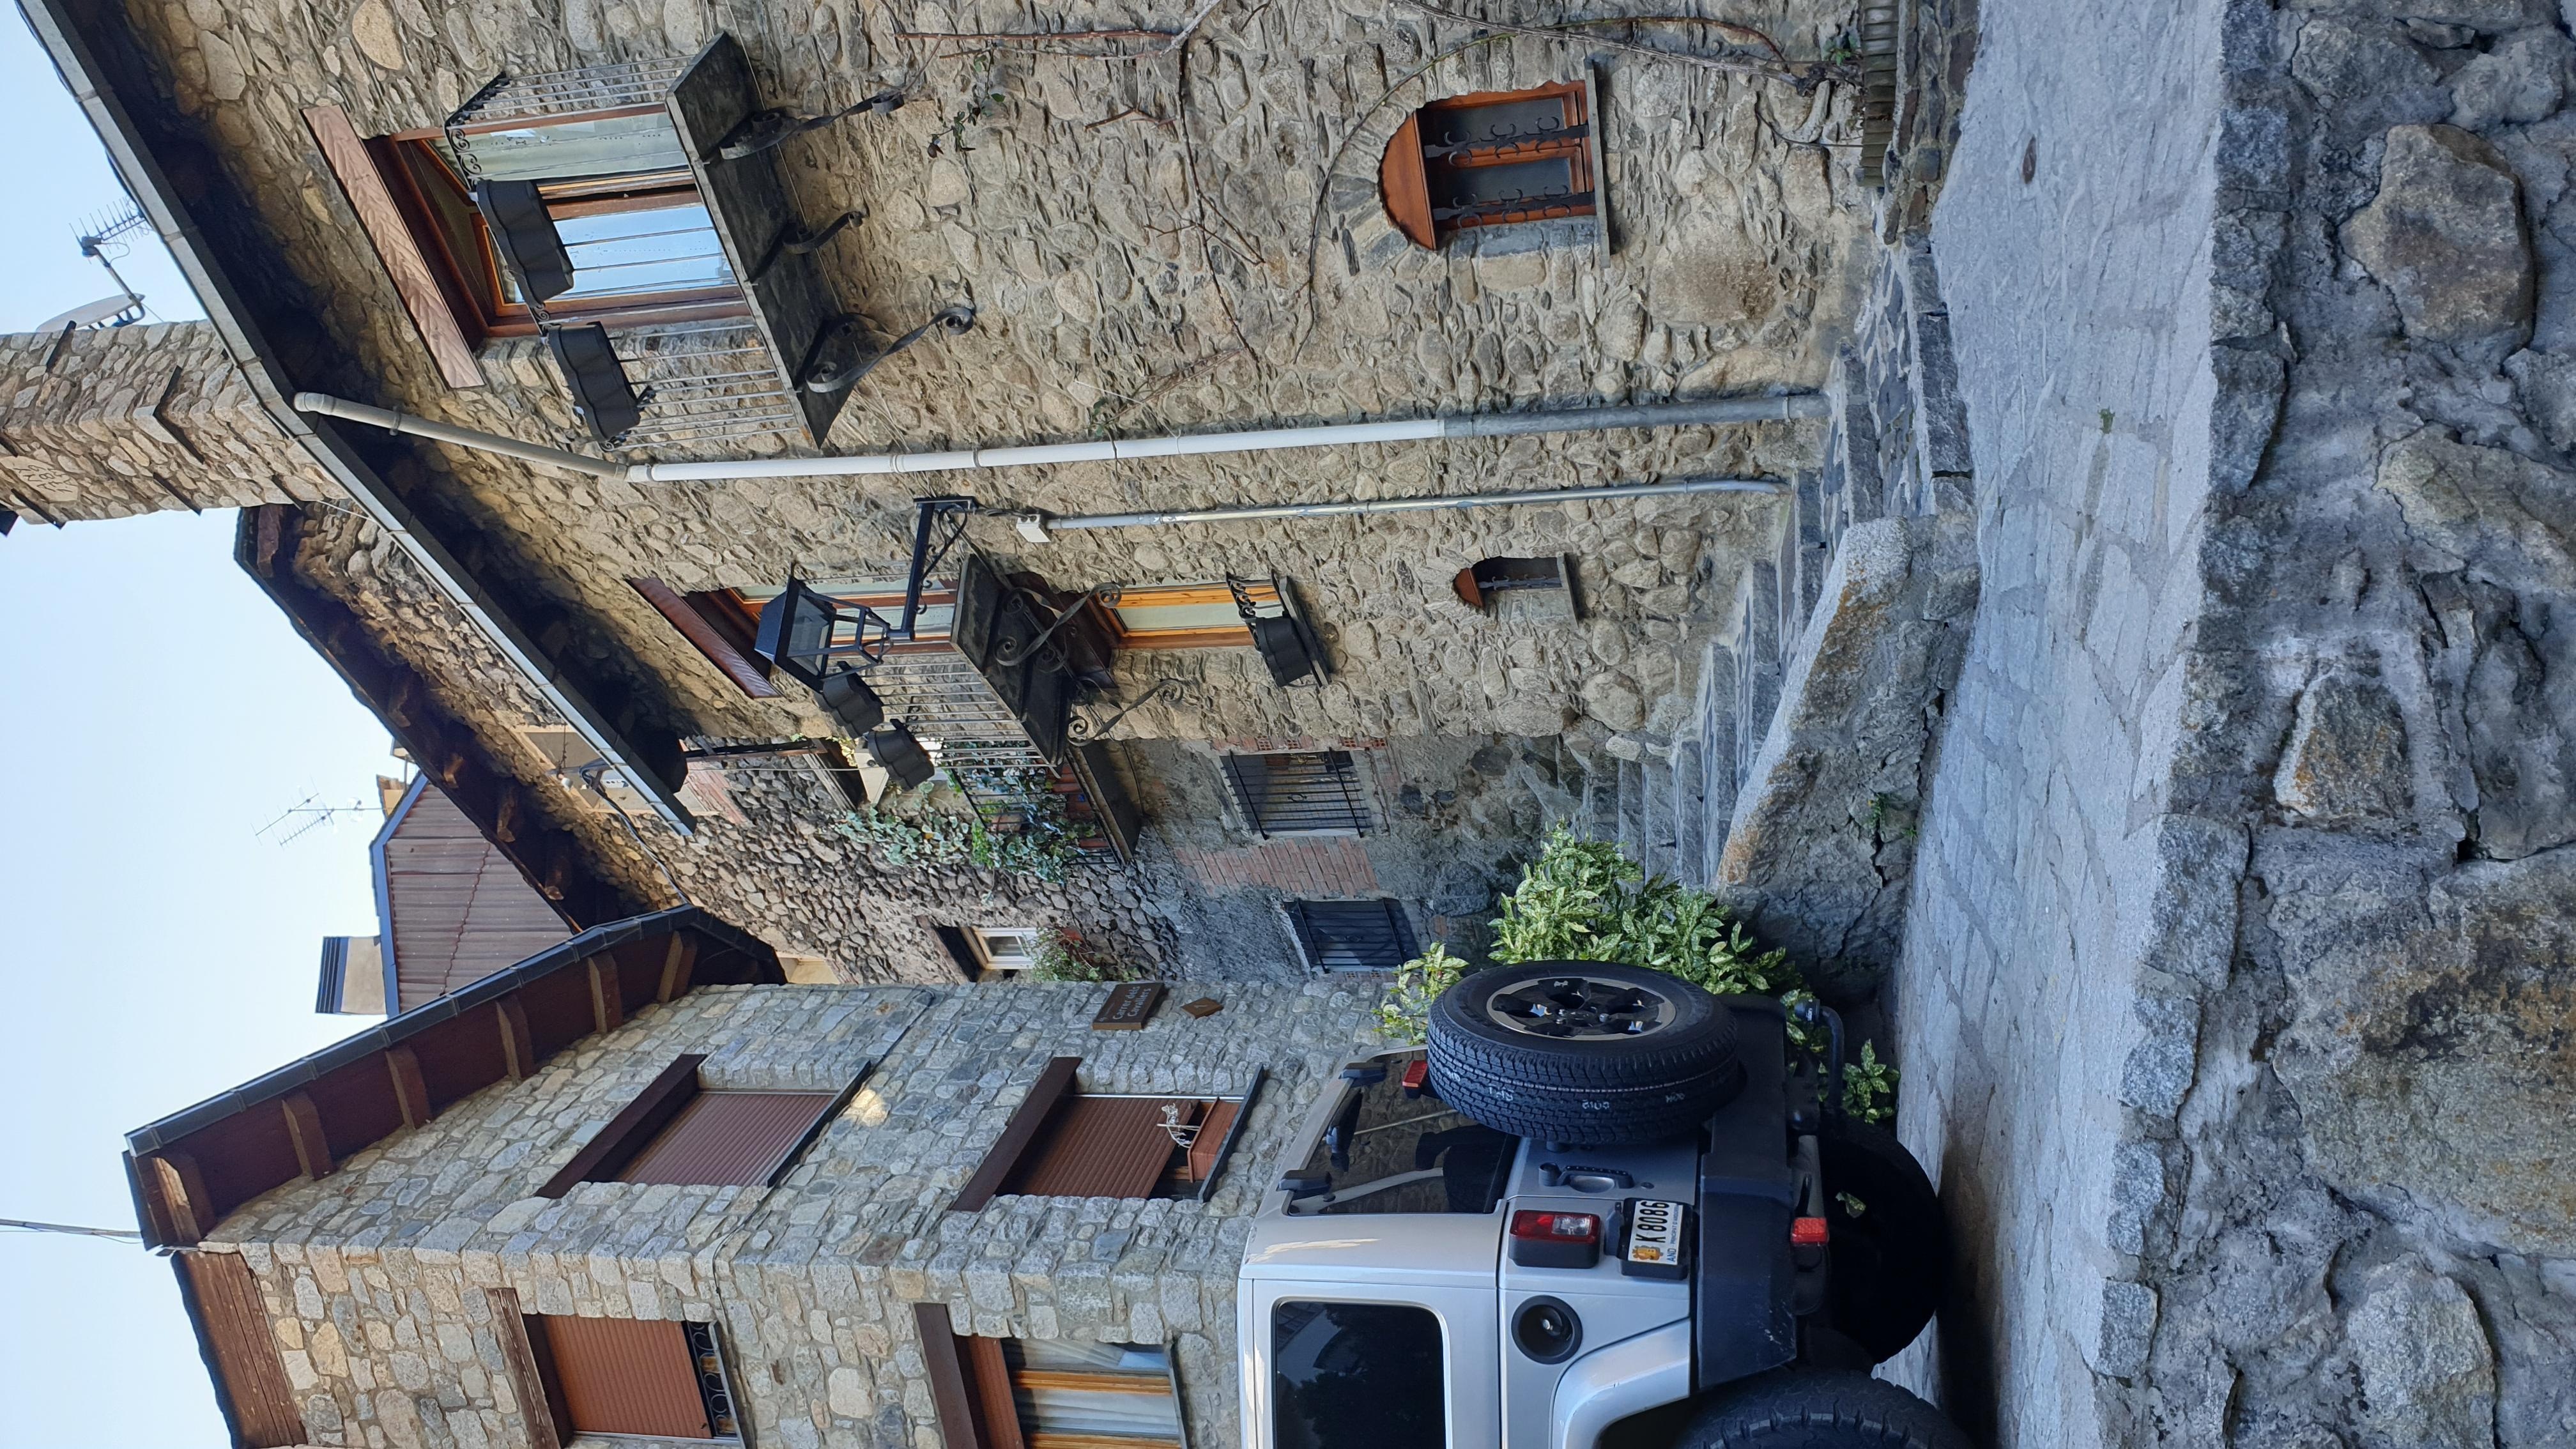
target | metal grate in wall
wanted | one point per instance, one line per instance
(1352, 935)
(1300, 792)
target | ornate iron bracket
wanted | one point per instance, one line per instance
(925, 558)
(762, 130)
(832, 366)
(793, 241)
(1006, 655)
(1081, 730)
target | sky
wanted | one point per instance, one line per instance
(157, 714)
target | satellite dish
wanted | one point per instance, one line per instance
(114, 310)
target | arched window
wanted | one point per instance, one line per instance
(1493, 158)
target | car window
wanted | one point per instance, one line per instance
(1399, 1154)
(1356, 1376)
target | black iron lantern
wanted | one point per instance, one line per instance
(806, 632)
(900, 755)
(852, 705)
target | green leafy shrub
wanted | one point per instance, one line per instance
(1869, 1086)
(1582, 900)
(1404, 1016)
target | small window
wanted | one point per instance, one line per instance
(1183, 616)
(1300, 792)
(678, 1131)
(1352, 935)
(654, 1377)
(1520, 588)
(1007, 948)
(730, 1137)
(930, 628)
(616, 194)
(1065, 1142)
(1356, 1376)
(1494, 158)
(1048, 1391)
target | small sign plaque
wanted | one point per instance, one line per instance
(1204, 1007)
(1129, 1007)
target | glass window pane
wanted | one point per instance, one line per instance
(659, 249)
(1356, 1376)
(599, 146)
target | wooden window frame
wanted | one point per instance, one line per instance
(976, 937)
(1404, 171)
(1234, 636)
(934, 594)
(444, 292)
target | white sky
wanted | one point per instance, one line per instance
(156, 712)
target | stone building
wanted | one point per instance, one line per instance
(771, 1214)
(2146, 689)
(1160, 225)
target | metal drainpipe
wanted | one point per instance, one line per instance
(1037, 527)
(1704, 413)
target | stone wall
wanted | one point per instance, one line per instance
(141, 419)
(376, 1277)
(2236, 973)
(1137, 276)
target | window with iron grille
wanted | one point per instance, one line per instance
(1300, 792)
(1352, 935)
(1493, 158)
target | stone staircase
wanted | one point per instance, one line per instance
(1822, 666)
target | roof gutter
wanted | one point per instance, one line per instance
(229, 312)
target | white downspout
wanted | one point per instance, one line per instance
(1704, 413)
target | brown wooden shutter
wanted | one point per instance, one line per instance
(242, 1350)
(952, 1392)
(1101, 1147)
(1051, 1087)
(730, 1137)
(988, 1378)
(627, 1376)
(717, 635)
(1401, 184)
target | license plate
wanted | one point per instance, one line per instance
(1655, 1239)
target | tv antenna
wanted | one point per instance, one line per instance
(102, 239)
(311, 815)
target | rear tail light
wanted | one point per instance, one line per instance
(1416, 1077)
(1807, 1232)
(1555, 1240)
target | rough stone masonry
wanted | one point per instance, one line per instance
(2238, 985)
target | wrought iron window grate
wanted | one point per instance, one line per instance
(945, 698)
(1352, 935)
(705, 383)
(1302, 792)
(612, 86)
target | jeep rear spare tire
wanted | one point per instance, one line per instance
(1584, 1053)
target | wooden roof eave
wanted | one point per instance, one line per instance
(715, 953)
